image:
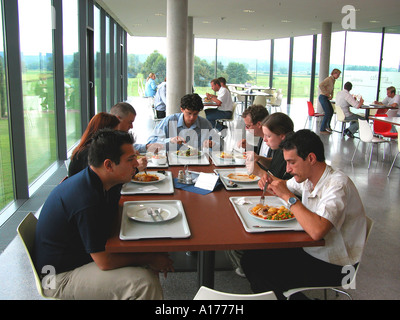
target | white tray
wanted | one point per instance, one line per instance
(219, 162)
(240, 185)
(174, 160)
(163, 187)
(134, 230)
(249, 222)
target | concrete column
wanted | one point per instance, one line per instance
(325, 56)
(190, 56)
(177, 21)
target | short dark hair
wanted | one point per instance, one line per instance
(192, 101)
(106, 144)
(278, 123)
(257, 113)
(306, 142)
(216, 81)
(348, 86)
(122, 109)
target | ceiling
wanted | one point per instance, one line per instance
(263, 19)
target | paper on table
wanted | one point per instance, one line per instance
(206, 181)
(148, 188)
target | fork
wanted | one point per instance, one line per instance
(150, 213)
(158, 213)
(262, 199)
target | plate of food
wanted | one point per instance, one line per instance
(271, 213)
(242, 177)
(188, 153)
(149, 177)
(226, 155)
(152, 214)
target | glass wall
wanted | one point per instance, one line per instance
(302, 64)
(338, 45)
(97, 60)
(38, 84)
(362, 66)
(204, 64)
(107, 64)
(390, 75)
(281, 64)
(71, 72)
(6, 185)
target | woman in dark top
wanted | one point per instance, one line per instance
(79, 158)
(275, 128)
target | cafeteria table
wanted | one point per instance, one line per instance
(213, 224)
(374, 107)
(392, 120)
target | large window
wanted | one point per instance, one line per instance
(97, 59)
(338, 42)
(362, 63)
(38, 84)
(6, 185)
(71, 72)
(390, 62)
(281, 64)
(204, 64)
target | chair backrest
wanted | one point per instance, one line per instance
(26, 231)
(339, 113)
(262, 100)
(278, 100)
(380, 126)
(205, 293)
(365, 131)
(311, 110)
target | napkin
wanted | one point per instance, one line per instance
(243, 201)
(148, 188)
(192, 188)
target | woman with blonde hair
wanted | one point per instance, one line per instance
(151, 87)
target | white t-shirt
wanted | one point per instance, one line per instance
(389, 101)
(336, 199)
(225, 97)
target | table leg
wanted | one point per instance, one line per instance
(205, 268)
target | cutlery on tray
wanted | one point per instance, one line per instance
(150, 213)
(158, 213)
(262, 199)
(269, 227)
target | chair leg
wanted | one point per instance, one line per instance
(394, 160)
(355, 151)
(370, 155)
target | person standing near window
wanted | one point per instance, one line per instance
(151, 87)
(326, 94)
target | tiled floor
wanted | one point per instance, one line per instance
(378, 276)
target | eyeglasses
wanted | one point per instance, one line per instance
(248, 126)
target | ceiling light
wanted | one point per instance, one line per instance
(205, 22)
(286, 21)
(243, 29)
(374, 21)
(248, 11)
(137, 24)
(159, 14)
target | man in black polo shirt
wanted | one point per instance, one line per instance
(74, 225)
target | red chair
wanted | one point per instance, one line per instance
(383, 128)
(312, 113)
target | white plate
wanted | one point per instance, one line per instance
(266, 220)
(160, 176)
(190, 157)
(240, 180)
(139, 213)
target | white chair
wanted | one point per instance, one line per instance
(277, 103)
(351, 283)
(367, 135)
(394, 160)
(225, 121)
(205, 293)
(261, 100)
(26, 231)
(341, 118)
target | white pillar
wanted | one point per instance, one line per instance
(325, 56)
(177, 20)
(190, 56)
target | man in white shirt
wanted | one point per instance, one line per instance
(330, 209)
(345, 100)
(223, 101)
(392, 99)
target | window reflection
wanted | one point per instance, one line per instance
(38, 84)
(71, 72)
(6, 185)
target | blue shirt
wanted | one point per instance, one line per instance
(150, 88)
(160, 99)
(173, 125)
(75, 221)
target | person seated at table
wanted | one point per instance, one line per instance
(345, 100)
(185, 126)
(275, 128)
(252, 117)
(151, 86)
(224, 103)
(79, 157)
(75, 223)
(331, 209)
(126, 114)
(392, 99)
(160, 100)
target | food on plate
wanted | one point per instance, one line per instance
(207, 100)
(145, 177)
(242, 176)
(267, 212)
(226, 155)
(191, 152)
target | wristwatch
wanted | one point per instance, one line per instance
(292, 201)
